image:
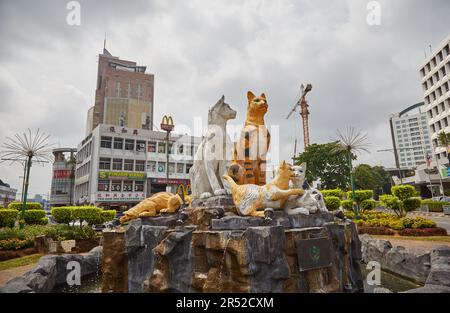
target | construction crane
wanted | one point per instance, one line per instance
(304, 112)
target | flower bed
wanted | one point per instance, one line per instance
(380, 223)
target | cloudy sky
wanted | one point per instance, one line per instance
(199, 50)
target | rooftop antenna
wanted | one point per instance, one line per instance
(430, 48)
(104, 43)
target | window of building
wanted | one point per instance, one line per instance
(140, 166)
(117, 164)
(161, 147)
(128, 165)
(180, 168)
(140, 145)
(103, 185)
(129, 90)
(118, 143)
(171, 168)
(161, 167)
(151, 166)
(104, 164)
(188, 167)
(116, 186)
(138, 185)
(127, 185)
(129, 144)
(151, 146)
(139, 91)
(105, 142)
(118, 89)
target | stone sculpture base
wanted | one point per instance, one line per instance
(216, 251)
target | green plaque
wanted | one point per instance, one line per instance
(313, 253)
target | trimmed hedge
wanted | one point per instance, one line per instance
(8, 217)
(411, 204)
(434, 206)
(360, 195)
(347, 204)
(16, 205)
(368, 204)
(332, 203)
(423, 232)
(35, 217)
(332, 193)
(90, 214)
(375, 230)
(403, 192)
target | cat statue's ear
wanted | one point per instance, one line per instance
(283, 164)
(303, 165)
(250, 96)
(263, 96)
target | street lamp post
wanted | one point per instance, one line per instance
(168, 126)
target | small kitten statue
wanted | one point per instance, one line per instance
(311, 202)
(250, 198)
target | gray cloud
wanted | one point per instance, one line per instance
(199, 50)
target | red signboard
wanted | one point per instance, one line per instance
(61, 174)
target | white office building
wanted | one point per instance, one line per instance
(411, 137)
(118, 167)
(435, 79)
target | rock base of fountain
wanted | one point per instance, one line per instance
(216, 251)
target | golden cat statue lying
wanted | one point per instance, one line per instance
(161, 202)
(250, 198)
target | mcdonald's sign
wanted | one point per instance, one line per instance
(167, 123)
(183, 190)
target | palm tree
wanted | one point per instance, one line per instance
(352, 142)
(444, 141)
(26, 148)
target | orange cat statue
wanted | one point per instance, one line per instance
(254, 141)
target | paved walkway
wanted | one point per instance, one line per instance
(7, 275)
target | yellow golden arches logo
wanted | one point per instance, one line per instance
(167, 120)
(183, 189)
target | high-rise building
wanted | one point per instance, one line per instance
(435, 79)
(123, 95)
(410, 137)
(63, 179)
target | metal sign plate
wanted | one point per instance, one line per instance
(446, 209)
(313, 253)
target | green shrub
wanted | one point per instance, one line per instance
(332, 203)
(411, 204)
(108, 215)
(332, 193)
(8, 217)
(403, 192)
(16, 205)
(434, 206)
(368, 204)
(384, 199)
(92, 215)
(62, 215)
(2, 207)
(347, 204)
(360, 195)
(396, 225)
(420, 222)
(407, 222)
(349, 214)
(34, 217)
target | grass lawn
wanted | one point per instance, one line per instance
(430, 238)
(26, 260)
